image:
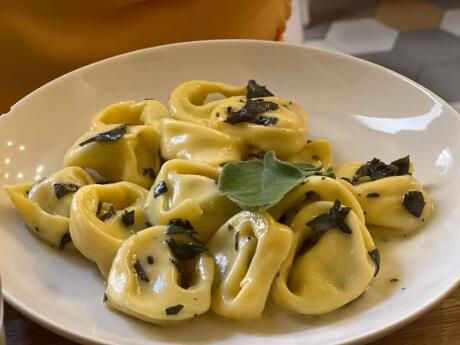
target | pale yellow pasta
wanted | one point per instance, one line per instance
(149, 282)
(188, 190)
(316, 152)
(315, 188)
(187, 101)
(382, 200)
(45, 205)
(333, 270)
(248, 251)
(148, 112)
(102, 217)
(133, 158)
(186, 140)
(287, 136)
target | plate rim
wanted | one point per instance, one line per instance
(371, 335)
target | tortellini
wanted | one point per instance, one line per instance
(188, 100)
(118, 153)
(263, 123)
(399, 203)
(315, 152)
(185, 140)
(148, 112)
(220, 204)
(281, 127)
(248, 251)
(327, 267)
(188, 190)
(45, 206)
(103, 217)
(313, 189)
(149, 281)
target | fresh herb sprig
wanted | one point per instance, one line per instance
(257, 185)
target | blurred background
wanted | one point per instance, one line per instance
(418, 38)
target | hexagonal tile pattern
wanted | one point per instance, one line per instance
(325, 11)
(401, 64)
(451, 21)
(443, 79)
(408, 14)
(428, 46)
(361, 36)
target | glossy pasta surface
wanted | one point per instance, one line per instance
(220, 202)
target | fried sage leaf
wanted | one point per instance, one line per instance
(113, 135)
(414, 202)
(255, 90)
(62, 189)
(127, 218)
(140, 271)
(334, 218)
(375, 255)
(250, 112)
(175, 309)
(186, 251)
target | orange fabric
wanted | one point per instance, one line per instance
(40, 40)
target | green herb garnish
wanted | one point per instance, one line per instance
(414, 202)
(37, 229)
(174, 309)
(394, 280)
(128, 218)
(64, 240)
(372, 195)
(113, 135)
(140, 271)
(334, 218)
(375, 255)
(256, 184)
(250, 112)
(105, 298)
(160, 189)
(237, 240)
(62, 189)
(186, 251)
(150, 259)
(255, 90)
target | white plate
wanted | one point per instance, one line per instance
(365, 110)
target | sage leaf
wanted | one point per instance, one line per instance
(257, 185)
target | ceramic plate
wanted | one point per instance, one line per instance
(365, 111)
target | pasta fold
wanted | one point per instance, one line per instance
(188, 190)
(102, 217)
(148, 112)
(186, 140)
(248, 251)
(118, 153)
(386, 200)
(329, 266)
(45, 205)
(151, 280)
